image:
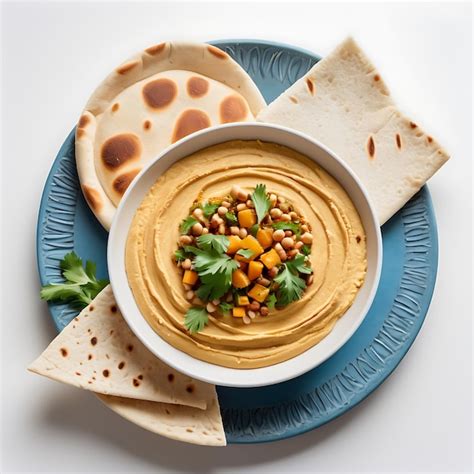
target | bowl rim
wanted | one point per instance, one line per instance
(234, 380)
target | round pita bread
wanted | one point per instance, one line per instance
(154, 99)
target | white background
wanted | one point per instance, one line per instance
(54, 55)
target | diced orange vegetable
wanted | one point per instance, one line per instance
(190, 277)
(247, 218)
(265, 237)
(271, 258)
(240, 279)
(243, 265)
(250, 242)
(255, 270)
(238, 312)
(242, 300)
(259, 292)
(234, 244)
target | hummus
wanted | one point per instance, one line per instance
(338, 255)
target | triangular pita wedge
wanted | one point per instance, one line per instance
(343, 103)
(177, 422)
(97, 351)
(154, 99)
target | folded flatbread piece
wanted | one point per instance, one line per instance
(343, 103)
(97, 351)
(178, 422)
(154, 99)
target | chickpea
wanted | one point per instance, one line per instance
(234, 230)
(254, 306)
(186, 264)
(251, 314)
(307, 238)
(197, 301)
(273, 199)
(299, 245)
(281, 199)
(243, 233)
(275, 213)
(205, 230)
(241, 207)
(294, 216)
(186, 286)
(287, 243)
(246, 320)
(278, 235)
(304, 228)
(273, 272)
(264, 311)
(198, 214)
(197, 228)
(221, 210)
(263, 281)
(210, 307)
(221, 229)
(309, 280)
(285, 217)
(288, 233)
(216, 302)
(189, 294)
(235, 191)
(250, 204)
(293, 253)
(185, 240)
(283, 256)
(226, 204)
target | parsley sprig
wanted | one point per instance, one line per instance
(80, 287)
(196, 318)
(291, 285)
(261, 201)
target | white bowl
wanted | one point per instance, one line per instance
(206, 371)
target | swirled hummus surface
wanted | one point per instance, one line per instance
(338, 253)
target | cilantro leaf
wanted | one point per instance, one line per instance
(271, 301)
(291, 286)
(254, 229)
(180, 254)
(298, 265)
(284, 225)
(209, 208)
(186, 224)
(225, 308)
(246, 253)
(231, 217)
(306, 250)
(261, 201)
(219, 243)
(196, 318)
(80, 287)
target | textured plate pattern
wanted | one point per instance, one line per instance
(361, 365)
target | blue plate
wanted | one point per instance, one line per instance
(360, 366)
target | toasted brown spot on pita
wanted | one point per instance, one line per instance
(189, 430)
(111, 331)
(89, 381)
(89, 357)
(115, 107)
(83, 121)
(105, 373)
(89, 330)
(233, 109)
(127, 67)
(120, 149)
(136, 383)
(398, 139)
(190, 388)
(167, 411)
(413, 125)
(170, 377)
(310, 85)
(91, 307)
(130, 348)
(376, 78)
(93, 378)
(371, 147)
(107, 356)
(358, 238)
(78, 373)
(190, 121)
(140, 377)
(293, 99)
(205, 433)
(146, 125)
(74, 326)
(430, 139)
(80, 132)
(159, 93)
(121, 365)
(218, 53)
(76, 319)
(63, 351)
(94, 341)
(197, 86)
(156, 49)
(113, 308)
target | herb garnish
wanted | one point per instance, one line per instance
(246, 253)
(186, 224)
(261, 201)
(291, 286)
(219, 243)
(295, 228)
(209, 208)
(196, 318)
(81, 285)
(232, 218)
